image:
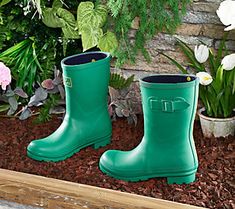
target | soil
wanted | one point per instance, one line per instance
(214, 188)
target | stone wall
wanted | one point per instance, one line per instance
(200, 24)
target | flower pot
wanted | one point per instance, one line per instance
(216, 127)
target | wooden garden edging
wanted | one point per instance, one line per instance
(57, 194)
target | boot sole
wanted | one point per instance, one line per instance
(179, 178)
(101, 142)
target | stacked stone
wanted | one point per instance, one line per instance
(199, 24)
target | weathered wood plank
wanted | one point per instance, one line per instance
(56, 194)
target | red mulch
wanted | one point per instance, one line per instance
(214, 188)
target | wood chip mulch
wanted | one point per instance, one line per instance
(214, 188)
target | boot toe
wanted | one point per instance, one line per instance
(120, 165)
(38, 147)
(108, 160)
(114, 161)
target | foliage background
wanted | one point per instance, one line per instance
(19, 21)
(33, 46)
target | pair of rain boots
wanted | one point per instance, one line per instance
(169, 105)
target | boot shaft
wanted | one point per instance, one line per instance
(86, 78)
(169, 105)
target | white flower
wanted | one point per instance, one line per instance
(228, 62)
(201, 53)
(226, 13)
(204, 78)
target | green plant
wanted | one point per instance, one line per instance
(23, 61)
(217, 91)
(107, 25)
(17, 26)
(44, 113)
(4, 2)
(62, 28)
(153, 17)
(9, 98)
(89, 24)
(28, 47)
(125, 102)
(46, 96)
(118, 85)
(117, 81)
(31, 60)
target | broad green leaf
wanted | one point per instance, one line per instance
(4, 2)
(69, 29)
(226, 105)
(90, 36)
(108, 42)
(208, 107)
(66, 16)
(50, 18)
(70, 33)
(219, 74)
(212, 99)
(212, 63)
(218, 80)
(88, 14)
(57, 4)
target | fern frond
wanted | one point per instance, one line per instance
(154, 16)
(117, 81)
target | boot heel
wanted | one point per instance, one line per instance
(181, 179)
(105, 141)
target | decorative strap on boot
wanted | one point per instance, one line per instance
(163, 105)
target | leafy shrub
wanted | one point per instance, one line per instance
(36, 35)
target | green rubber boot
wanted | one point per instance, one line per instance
(167, 148)
(87, 121)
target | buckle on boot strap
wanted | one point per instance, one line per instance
(169, 106)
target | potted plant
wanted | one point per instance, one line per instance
(217, 78)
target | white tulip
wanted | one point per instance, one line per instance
(226, 13)
(228, 62)
(201, 53)
(204, 78)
